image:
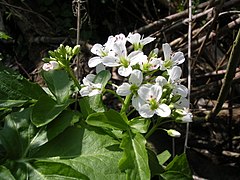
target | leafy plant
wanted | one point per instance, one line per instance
(52, 133)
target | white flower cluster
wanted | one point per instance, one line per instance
(161, 95)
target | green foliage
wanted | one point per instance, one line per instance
(3, 35)
(46, 135)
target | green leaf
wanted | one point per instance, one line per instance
(5, 174)
(16, 133)
(3, 35)
(46, 110)
(55, 170)
(178, 168)
(59, 84)
(103, 77)
(140, 124)
(89, 151)
(135, 158)
(155, 167)
(13, 86)
(11, 103)
(96, 103)
(110, 119)
(163, 157)
(85, 107)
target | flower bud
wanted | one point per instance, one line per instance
(173, 133)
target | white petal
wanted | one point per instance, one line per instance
(94, 92)
(137, 102)
(54, 64)
(145, 111)
(47, 66)
(97, 49)
(155, 63)
(187, 118)
(163, 110)
(125, 72)
(167, 51)
(147, 40)
(85, 91)
(175, 73)
(136, 77)
(180, 89)
(100, 67)
(161, 81)
(137, 57)
(124, 89)
(110, 61)
(93, 62)
(133, 38)
(144, 93)
(109, 44)
(178, 58)
(156, 92)
(88, 79)
(182, 103)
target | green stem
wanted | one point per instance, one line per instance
(126, 103)
(70, 72)
(153, 129)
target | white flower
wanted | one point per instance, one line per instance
(101, 51)
(184, 115)
(123, 61)
(89, 88)
(187, 118)
(135, 80)
(149, 64)
(138, 42)
(51, 65)
(171, 59)
(151, 96)
(173, 133)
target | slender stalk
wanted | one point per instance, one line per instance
(153, 129)
(126, 103)
(189, 64)
(70, 72)
(231, 70)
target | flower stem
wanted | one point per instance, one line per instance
(126, 103)
(70, 72)
(153, 129)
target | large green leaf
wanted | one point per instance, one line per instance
(88, 151)
(57, 126)
(46, 110)
(135, 157)
(60, 151)
(5, 174)
(178, 168)
(17, 133)
(111, 119)
(59, 84)
(13, 86)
